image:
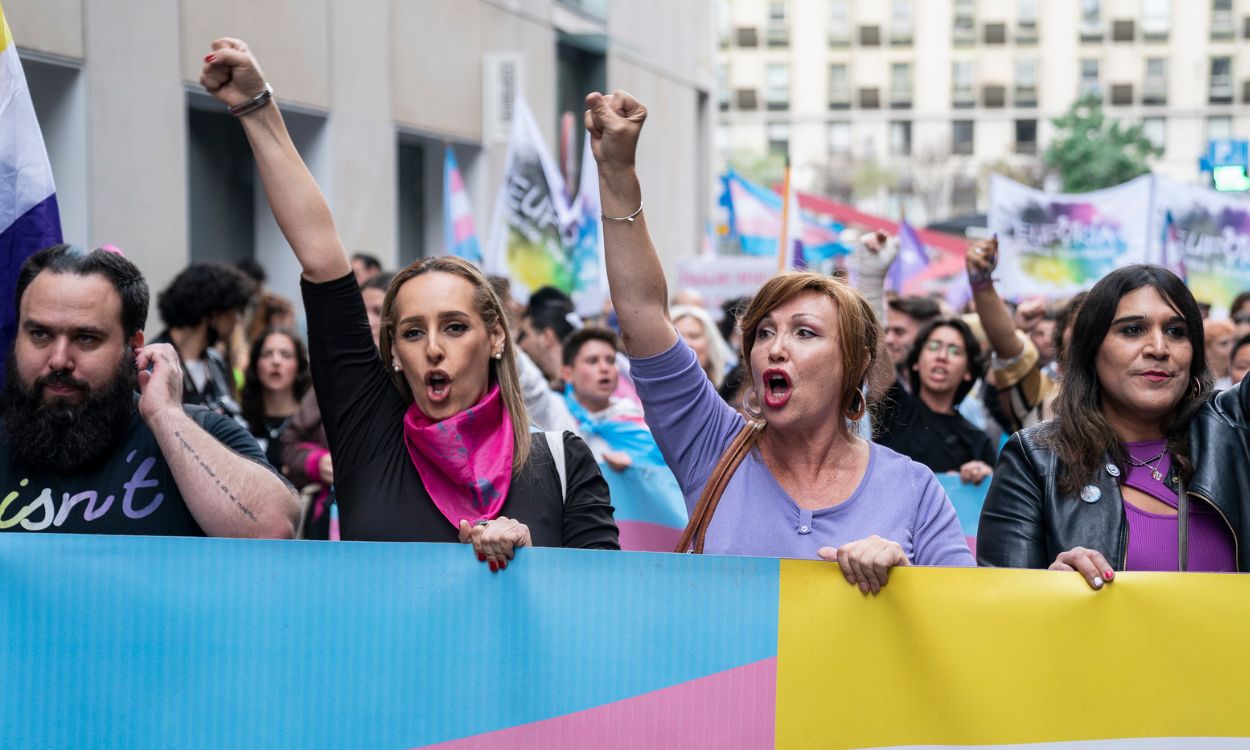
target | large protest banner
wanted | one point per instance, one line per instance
(1058, 244)
(1203, 236)
(133, 642)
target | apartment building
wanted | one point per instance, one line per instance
(908, 105)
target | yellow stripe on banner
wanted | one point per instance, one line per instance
(6, 37)
(984, 657)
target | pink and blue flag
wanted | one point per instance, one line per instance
(461, 235)
(755, 216)
(29, 219)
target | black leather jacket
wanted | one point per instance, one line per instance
(1027, 521)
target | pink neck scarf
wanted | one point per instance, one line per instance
(465, 461)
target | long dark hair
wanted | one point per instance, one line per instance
(1082, 434)
(254, 393)
(972, 348)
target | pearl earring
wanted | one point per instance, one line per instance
(499, 354)
(395, 366)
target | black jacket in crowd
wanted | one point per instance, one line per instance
(1027, 520)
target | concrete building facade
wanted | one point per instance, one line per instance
(908, 105)
(372, 90)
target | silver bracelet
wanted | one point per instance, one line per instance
(253, 104)
(629, 218)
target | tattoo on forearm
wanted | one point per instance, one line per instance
(213, 475)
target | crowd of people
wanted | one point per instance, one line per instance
(810, 421)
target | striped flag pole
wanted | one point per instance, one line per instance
(782, 245)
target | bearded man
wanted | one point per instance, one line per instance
(83, 452)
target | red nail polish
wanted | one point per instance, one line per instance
(1109, 574)
(493, 566)
(481, 557)
(503, 564)
(208, 58)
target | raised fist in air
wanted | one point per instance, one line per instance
(614, 123)
(231, 73)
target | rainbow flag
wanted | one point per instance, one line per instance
(29, 219)
(458, 228)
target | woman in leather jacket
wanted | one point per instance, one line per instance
(1143, 468)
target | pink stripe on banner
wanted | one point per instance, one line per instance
(456, 183)
(731, 709)
(641, 536)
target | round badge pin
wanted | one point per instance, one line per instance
(1113, 470)
(1090, 493)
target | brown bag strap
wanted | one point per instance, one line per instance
(701, 518)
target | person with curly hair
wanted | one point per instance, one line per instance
(277, 378)
(200, 307)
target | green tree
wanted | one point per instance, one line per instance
(1092, 151)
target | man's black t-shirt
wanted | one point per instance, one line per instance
(133, 492)
(376, 484)
(943, 442)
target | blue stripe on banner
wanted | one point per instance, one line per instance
(967, 499)
(31, 232)
(121, 642)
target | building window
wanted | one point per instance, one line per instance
(962, 137)
(1220, 87)
(1155, 130)
(722, 86)
(1155, 88)
(839, 139)
(1222, 24)
(962, 93)
(1156, 18)
(965, 22)
(777, 87)
(1026, 136)
(1026, 82)
(900, 22)
(1091, 20)
(900, 138)
(1026, 22)
(1219, 128)
(778, 138)
(1090, 85)
(778, 31)
(839, 87)
(900, 85)
(839, 23)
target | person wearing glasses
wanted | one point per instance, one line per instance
(924, 425)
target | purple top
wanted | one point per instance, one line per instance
(898, 499)
(1152, 539)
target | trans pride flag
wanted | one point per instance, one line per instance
(755, 221)
(29, 220)
(461, 236)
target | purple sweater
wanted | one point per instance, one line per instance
(898, 499)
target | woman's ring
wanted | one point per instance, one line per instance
(482, 522)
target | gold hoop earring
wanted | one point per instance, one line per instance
(756, 413)
(855, 409)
